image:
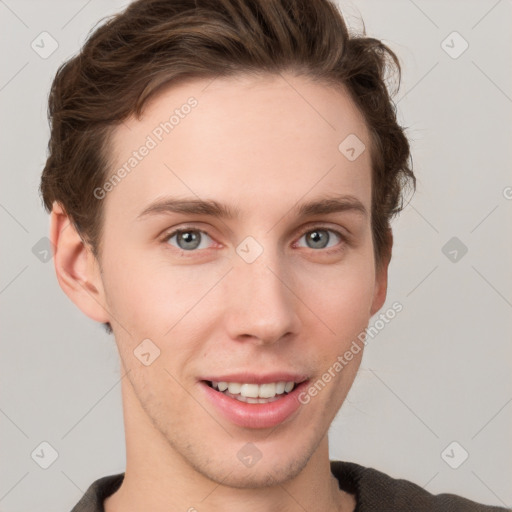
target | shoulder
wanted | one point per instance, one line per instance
(376, 491)
(97, 492)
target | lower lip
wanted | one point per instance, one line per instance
(255, 415)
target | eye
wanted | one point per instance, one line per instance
(191, 239)
(188, 239)
(319, 237)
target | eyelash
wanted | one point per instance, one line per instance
(331, 250)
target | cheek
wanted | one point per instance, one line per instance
(151, 298)
(344, 294)
(341, 301)
(134, 292)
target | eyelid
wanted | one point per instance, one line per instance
(342, 232)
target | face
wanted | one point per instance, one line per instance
(272, 293)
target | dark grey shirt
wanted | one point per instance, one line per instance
(375, 492)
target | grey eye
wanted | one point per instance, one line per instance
(188, 239)
(319, 238)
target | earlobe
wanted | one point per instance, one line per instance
(381, 277)
(76, 267)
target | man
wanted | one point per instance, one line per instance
(221, 179)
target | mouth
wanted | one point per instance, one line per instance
(253, 393)
(263, 402)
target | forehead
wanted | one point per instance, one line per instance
(242, 139)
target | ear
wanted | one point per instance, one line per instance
(77, 268)
(381, 276)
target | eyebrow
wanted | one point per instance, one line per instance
(213, 208)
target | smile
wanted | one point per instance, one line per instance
(255, 404)
(254, 393)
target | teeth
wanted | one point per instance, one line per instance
(251, 393)
(234, 387)
(267, 390)
(249, 390)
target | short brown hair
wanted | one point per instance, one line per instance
(156, 43)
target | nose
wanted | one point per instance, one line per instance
(261, 304)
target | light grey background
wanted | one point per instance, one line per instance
(439, 372)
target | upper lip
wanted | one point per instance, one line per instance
(254, 378)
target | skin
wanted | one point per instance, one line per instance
(257, 144)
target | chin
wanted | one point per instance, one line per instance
(279, 460)
(259, 476)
